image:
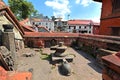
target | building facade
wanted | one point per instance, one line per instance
(110, 17)
(80, 26)
(49, 24)
(96, 27)
(110, 25)
(60, 26)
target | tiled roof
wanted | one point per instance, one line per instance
(5, 10)
(95, 23)
(36, 19)
(2, 4)
(46, 34)
(43, 28)
(24, 21)
(29, 28)
(79, 22)
(41, 20)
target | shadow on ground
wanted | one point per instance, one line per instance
(93, 63)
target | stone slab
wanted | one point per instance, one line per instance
(68, 57)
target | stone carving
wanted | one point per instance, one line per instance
(6, 58)
(61, 55)
(8, 28)
(60, 50)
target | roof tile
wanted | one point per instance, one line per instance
(79, 22)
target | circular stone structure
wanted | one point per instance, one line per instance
(60, 50)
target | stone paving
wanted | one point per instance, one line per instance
(83, 67)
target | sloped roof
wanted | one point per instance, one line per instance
(36, 19)
(96, 23)
(79, 22)
(24, 21)
(41, 20)
(5, 10)
(44, 28)
(28, 28)
(46, 34)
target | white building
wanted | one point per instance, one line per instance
(60, 26)
(49, 24)
(80, 26)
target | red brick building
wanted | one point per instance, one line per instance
(96, 27)
(110, 17)
(110, 25)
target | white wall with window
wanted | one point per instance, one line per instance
(45, 23)
(80, 28)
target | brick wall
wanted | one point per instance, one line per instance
(106, 25)
(109, 19)
(47, 41)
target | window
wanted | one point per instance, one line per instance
(116, 5)
(69, 27)
(74, 27)
(90, 27)
(79, 27)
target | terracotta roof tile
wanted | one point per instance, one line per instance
(44, 28)
(79, 22)
(46, 34)
(29, 28)
(36, 19)
(2, 5)
(95, 23)
(24, 21)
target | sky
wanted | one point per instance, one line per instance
(76, 9)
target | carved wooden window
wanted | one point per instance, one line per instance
(116, 5)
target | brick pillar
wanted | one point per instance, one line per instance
(9, 41)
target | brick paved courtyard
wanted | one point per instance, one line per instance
(83, 66)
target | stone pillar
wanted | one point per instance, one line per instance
(0, 37)
(9, 41)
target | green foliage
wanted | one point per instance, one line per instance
(53, 18)
(45, 57)
(21, 8)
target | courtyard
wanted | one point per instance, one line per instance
(83, 66)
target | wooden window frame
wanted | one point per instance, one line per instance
(116, 5)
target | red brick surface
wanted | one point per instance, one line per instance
(13, 75)
(108, 18)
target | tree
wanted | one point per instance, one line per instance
(53, 18)
(21, 8)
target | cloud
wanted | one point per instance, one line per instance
(77, 1)
(83, 2)
(60, 7)
(95, 19)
